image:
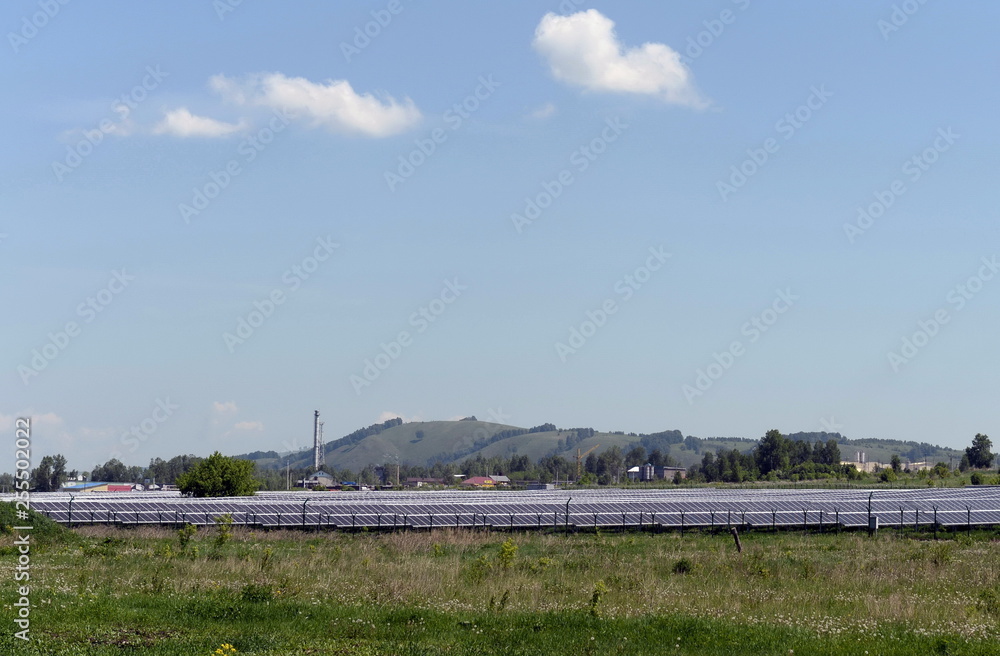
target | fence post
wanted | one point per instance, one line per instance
(870, 512)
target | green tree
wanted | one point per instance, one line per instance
(50, 474)
(219, 476)
(113, 471)
(636, 456)
(773, 452)
(614, 463)
(980, 456)
(896, 463)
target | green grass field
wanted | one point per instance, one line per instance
(103, 590)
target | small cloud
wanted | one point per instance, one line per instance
(47, 420)
(332, 104)
(225, 408)
(544, 112)
(249, 426)
(583, 50)
(182, 123)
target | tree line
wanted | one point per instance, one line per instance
(776, 457)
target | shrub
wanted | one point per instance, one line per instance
(256, 593)
(266, 558)
(988, 602)
(595, 599)
(683, 566)
(224, 523)
(978, 478)
(508, 553)
(185, 533)
(941, 553)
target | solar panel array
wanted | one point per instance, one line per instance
(692, 507)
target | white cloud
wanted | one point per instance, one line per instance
(333, 104)
(48, 420)
(182, 123)
(543, 112)
(583, 50)
(224, 408)
(249, 426)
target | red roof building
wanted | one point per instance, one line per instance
(479, 481)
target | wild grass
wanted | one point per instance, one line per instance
(461, 591)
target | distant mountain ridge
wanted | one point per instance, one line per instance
(451, 442)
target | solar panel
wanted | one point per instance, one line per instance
(689, 507)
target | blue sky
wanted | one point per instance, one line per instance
(699, 260)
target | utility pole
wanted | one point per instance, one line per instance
(288, 480)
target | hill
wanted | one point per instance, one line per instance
(451, 442)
